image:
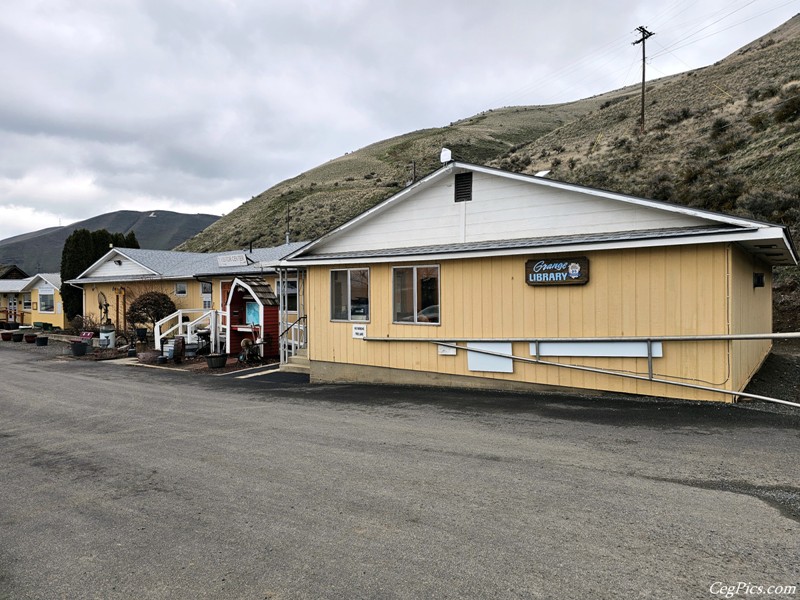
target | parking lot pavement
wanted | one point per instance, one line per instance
(141, 483)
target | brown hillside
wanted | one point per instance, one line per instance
(725, 137)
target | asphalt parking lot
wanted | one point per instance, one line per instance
(127, 482)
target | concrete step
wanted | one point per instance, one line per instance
(297, 364)
(290, 368)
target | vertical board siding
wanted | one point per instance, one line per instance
(750, 312)
(642, 292)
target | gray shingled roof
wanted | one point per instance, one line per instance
(169, 264)
(527, 243)
(13, 286)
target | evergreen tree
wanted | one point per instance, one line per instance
(81, 249)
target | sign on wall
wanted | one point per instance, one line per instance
(232, 260)
(557, 271)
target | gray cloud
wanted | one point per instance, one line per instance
(200, 105)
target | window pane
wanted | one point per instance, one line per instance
(359, 294)
(339, 300)
(205, 287)
(427, 294)
(403, 303)
(46, 303)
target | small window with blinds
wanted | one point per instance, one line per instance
(463, 187)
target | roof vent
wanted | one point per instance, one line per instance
(463, 187)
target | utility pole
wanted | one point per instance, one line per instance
(645, 34)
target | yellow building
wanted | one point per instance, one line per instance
(199, 284)
(480, 277)
(42, 301)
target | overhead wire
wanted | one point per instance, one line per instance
(609, 52)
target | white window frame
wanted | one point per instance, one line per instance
(185, 291)
(26, 302)
(206, 295)
(350, 317)
(51, 294)
(415, 293)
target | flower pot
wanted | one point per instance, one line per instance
(216, 361)
(30, 338)
(17, 337)
(78, 348)
(41, 340)
(5, 336)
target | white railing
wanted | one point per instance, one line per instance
(292, 339)
(190, 323)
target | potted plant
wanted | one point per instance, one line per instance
(17, 336)
(216, 361)
(41, 340)
(30, 338)
(6, 335)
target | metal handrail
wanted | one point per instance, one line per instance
(290, 327)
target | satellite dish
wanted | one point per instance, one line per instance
(446, 156)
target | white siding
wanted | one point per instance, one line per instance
(111, 269)
(501, 209)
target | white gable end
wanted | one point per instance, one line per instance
(126, 268)
(501, 209)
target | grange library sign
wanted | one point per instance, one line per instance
(557, 271)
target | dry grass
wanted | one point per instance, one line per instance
(725, 137)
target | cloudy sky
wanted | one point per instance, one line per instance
(198, 105)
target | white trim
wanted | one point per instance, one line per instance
(104, 259)
(762, 234)
(451, 167)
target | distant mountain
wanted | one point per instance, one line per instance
(40, 251)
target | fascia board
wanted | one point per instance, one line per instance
(761, 234)
(103, 259)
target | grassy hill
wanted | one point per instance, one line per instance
(40, 251)
(725, 137)
(326, 196)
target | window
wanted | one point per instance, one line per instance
(350, 295)
(205, 291)
(180, 288)
(47, 302)
(26, 301)
(291, 294)
(415, 292)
